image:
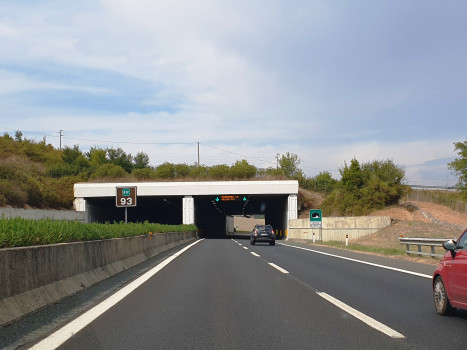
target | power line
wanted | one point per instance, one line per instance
(134, 143)
(29, 132)
(307, 168)
(238, 154)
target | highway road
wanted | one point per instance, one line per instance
(227, 294)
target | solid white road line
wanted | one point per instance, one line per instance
(362, 317)
(245, 248)
(279, 268)
(361, 261)
(56, 339)
(253, 253)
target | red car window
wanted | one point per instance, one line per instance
(462, 243)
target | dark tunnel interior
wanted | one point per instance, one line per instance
(210, 215)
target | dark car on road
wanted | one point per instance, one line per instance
(450, 278)
(263, 233)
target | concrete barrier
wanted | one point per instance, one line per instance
(336, 228)
(33, 277)
(37, 214)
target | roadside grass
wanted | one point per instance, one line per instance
(385, 242)
(18, 232)
(364, 248)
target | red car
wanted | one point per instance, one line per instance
(450, 278)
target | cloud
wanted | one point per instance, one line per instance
(328, 81)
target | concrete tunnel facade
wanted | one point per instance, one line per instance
(208, 205)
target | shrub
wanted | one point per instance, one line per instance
(165, 171)
(220, 171)
(242, 170)
(110, 171)
(143, 174)
(365, 188)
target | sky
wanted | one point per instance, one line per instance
(327, 80)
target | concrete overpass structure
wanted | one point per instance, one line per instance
(209, 205)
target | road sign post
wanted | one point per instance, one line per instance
(125, 197)
(316, 222)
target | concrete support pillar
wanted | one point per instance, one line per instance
(291, 208)
(188, 210)
(79, 204)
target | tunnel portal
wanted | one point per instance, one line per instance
(208, 205)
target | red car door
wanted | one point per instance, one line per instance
(458, 272)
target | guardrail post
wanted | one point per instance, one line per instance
(433, 250)
(407, 246)
(420, 248)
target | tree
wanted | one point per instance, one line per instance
(141, 160)
(242, 170)
(459, 165)
(323, 182)
(71, 154)
(364, 188)
(352, 177)
(385, 170)
(18, 136)
(118, 157)
(289, 164)
(97, 156)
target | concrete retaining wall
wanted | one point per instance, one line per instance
(33, 277)
(37, 214)
(336, 228)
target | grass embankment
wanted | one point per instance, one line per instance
(386, 241)
(20, 232)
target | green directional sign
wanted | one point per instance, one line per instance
(244, 199)
(217, 199)
(315, 218)
(126, 192)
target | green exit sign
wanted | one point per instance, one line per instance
(125, 192)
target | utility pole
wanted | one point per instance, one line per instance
(198, 154)
(277, 157)
(61, 139)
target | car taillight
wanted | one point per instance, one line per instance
(272, 231)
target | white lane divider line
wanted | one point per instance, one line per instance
(245, 248)
(253, 253)
(361, 316)
(56, 339)
(361, 261)
(279, 268)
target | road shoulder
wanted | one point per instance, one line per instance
(417, 267)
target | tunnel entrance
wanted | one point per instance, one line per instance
(211, 216)
(208, 205)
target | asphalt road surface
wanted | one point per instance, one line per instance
(227, 294)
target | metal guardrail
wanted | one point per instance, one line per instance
(431, 242)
